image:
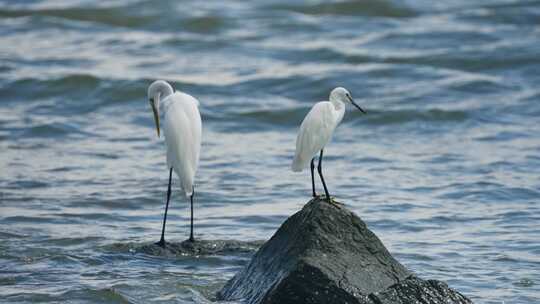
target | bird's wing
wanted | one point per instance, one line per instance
(182, 129)
(315, 132)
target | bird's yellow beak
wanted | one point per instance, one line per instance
(154, 102)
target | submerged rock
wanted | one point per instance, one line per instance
(203, 247)
(326, 254)
(188, 248)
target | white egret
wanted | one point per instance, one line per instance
(316, 131)
(182, 129)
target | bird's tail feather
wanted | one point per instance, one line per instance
(297, 165)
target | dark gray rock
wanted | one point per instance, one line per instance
(326, 254)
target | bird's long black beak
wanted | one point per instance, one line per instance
(155, 109)
(354, 104)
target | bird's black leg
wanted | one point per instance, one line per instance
(319, 168)
(191, 238)
(313, 177)
(162, 240)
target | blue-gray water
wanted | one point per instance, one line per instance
(444, 167)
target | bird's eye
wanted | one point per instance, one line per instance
(151, 99)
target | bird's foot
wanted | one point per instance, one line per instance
(161, 243)
(331, 201)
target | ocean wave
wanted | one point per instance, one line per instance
(353, 8)
(52, 130)
(116, 16)
(406, 116)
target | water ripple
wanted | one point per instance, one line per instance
(444, 167)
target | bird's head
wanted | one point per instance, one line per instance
(341, 94)
(157, 90)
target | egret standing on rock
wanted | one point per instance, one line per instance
(316, 131)
(182, 129)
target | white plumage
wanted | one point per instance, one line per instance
(316, 131)
(182, 129)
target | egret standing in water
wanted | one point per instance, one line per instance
(316, 131)
(182, 129)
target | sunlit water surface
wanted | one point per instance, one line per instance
(444, 167)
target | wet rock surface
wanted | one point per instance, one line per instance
(203, 247)
(188, 248)
(326, 254)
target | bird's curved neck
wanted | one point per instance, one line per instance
(165, 103)
(165, 92)
(339, 106)
(161, 90)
